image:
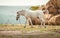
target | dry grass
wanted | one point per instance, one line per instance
(54, 31)
(28, 28)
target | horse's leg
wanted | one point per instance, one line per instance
(44, 24)
(40, 21)
(19, 21)
(25, 23)
(30, 22)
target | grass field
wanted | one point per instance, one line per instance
(18, 31)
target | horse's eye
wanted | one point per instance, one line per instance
(17, 12)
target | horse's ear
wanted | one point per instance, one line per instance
(23, 9)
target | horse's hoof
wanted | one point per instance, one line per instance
(24, 26)
(45, 27)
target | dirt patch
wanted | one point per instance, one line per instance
(31, 34)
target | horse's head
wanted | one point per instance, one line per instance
(17, 16)
(22, 12)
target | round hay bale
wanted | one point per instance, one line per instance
(55, 20)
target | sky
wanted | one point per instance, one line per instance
(23, 2)
(8, 9)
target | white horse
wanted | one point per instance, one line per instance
(34, 14)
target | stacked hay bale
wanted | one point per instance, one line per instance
(47, 18)
(35, 21)
(54, 8)
(53, 18)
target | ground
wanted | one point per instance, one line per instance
(18, 31)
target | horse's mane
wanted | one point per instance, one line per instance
(28, 10)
